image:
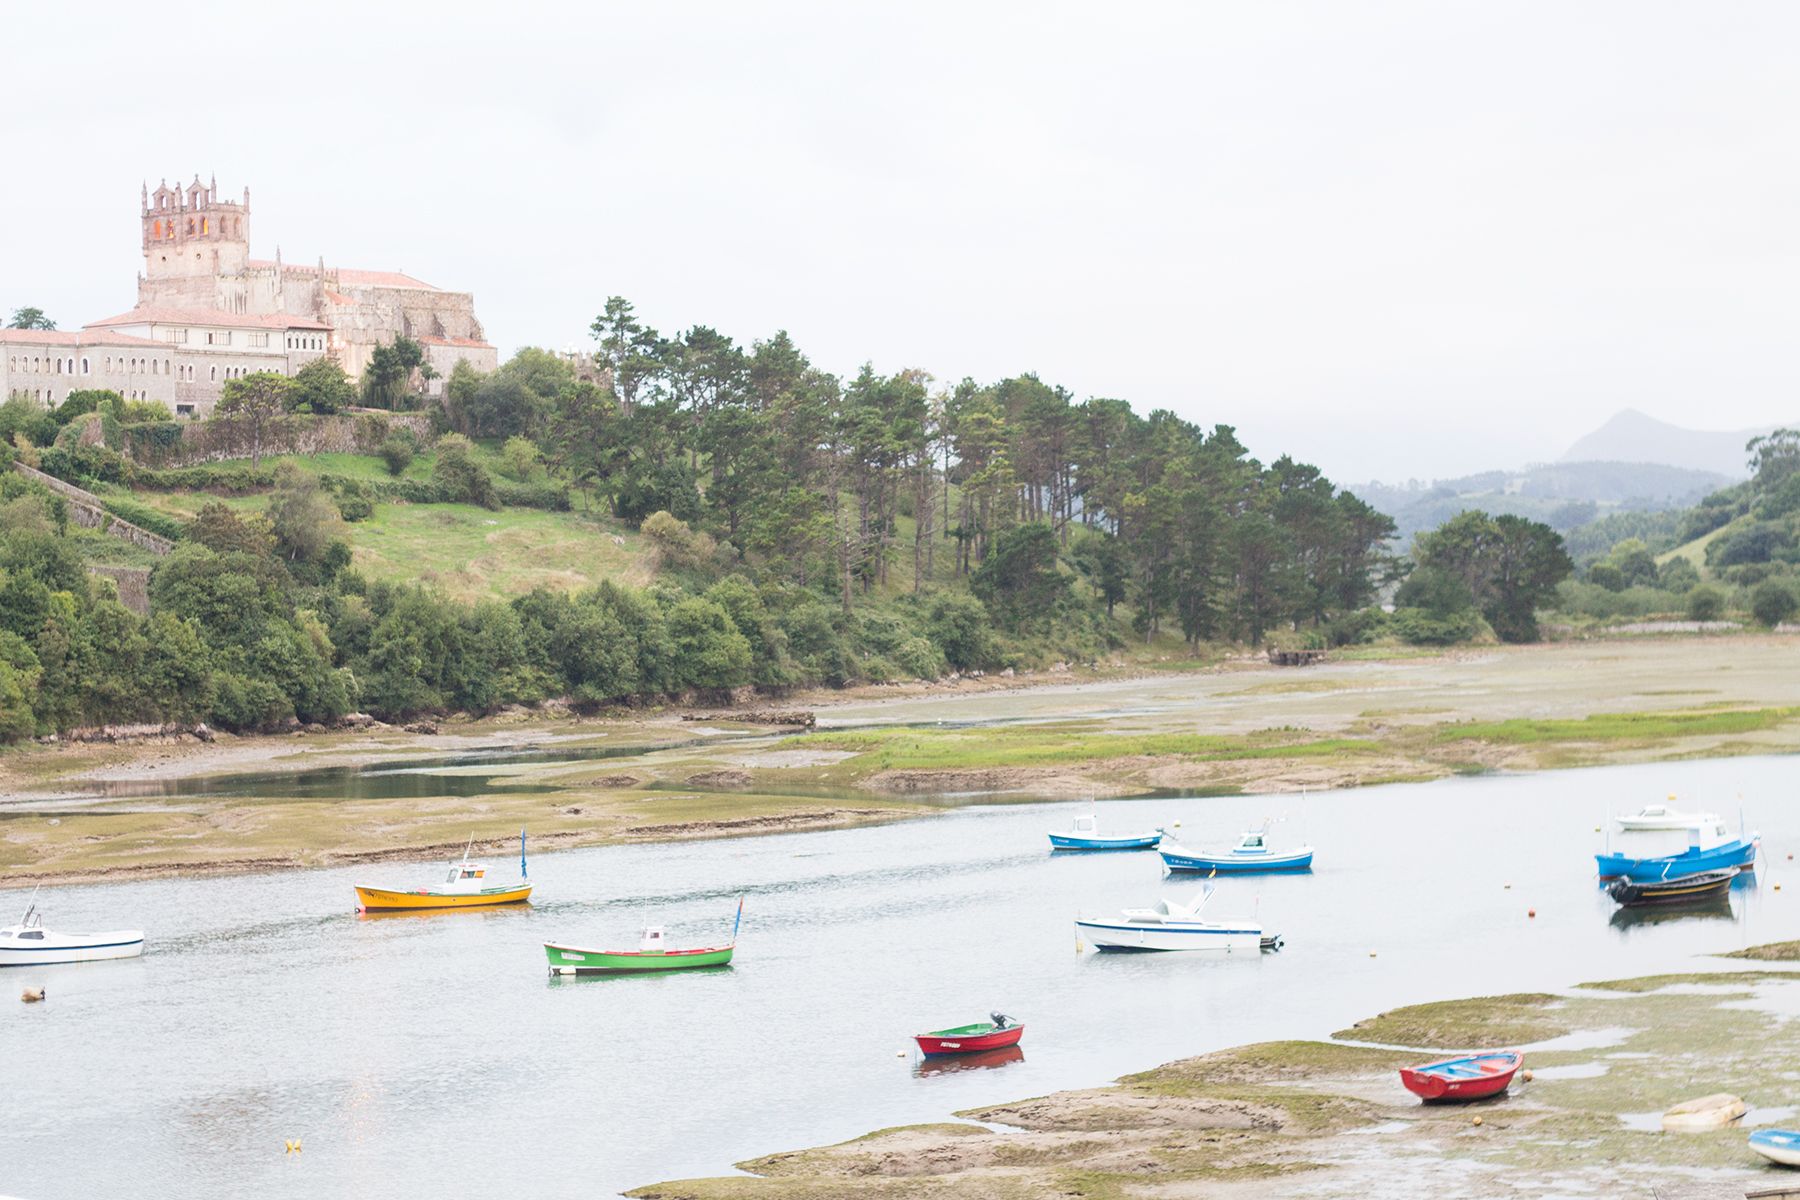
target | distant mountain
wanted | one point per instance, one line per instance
(1563, 495)
(1635, 437)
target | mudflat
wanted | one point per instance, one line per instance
(1307, 1119)
(82, 812)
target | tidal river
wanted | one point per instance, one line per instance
(431, 1054)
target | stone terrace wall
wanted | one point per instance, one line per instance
(220, 438)
(85, 510)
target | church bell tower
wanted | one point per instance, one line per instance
(192, 234)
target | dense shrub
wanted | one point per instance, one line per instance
(1773, 601)
(396, 455)
(231, 479)
(459, 476)
(1757, 542)
(143, 516)
(1606, 575)
(84, 464)
(1705, 603)
(1677, 575)
(1359, 627)
(959, 623)
(545, 494)
(1421, 627)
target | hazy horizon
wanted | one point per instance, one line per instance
(1401, 241)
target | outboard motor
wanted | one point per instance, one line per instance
(1001, 1020)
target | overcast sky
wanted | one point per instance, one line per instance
(1400, 240)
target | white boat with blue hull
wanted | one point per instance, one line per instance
(1711, 847)
(1251, 855)
(1086, 835)
(1777, 1145)
(29, 944)
(1170, 925)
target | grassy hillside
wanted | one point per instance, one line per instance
(1695, 551)
(469, 553)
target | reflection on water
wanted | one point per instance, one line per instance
(981, 1060)
(1663, 914)
(413, 1052)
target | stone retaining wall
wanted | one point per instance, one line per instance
(220, 438)
(87, 511)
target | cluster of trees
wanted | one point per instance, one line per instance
(1498, 569)
(886, 483)
(807, 529)
(28, 317)
(258, 620)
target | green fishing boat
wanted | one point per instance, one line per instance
(652, 954)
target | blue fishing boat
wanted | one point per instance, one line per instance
(1086, 836)
(1251, 854)
(1711, 847)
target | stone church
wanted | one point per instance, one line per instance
(207, 312)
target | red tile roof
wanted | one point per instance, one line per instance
(390, 279)
(62, 337)
(168, 314)
(349, 276)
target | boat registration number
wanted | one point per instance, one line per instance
(574, 957)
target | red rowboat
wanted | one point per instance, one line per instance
(971, 1039)
(1459, 1079)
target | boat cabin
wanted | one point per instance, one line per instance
(1253, 842)
(1086, 825)
(462, 872)
(1709, 833)
(652, 941)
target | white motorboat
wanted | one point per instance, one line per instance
(1170, 925)
(1662, 816)
(29, 944)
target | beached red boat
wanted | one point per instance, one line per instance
(1456, 1079)
(971, 1039)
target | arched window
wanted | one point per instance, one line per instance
(190, 227)
(212, 375)
(84, 366)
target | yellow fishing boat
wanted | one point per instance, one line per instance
(464, 887)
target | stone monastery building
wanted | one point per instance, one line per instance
(207, 312)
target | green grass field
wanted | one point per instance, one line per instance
(467, 552)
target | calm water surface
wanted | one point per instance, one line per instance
(411, 1055)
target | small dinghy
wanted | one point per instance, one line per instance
(1777, 1145)
(29, 944)
(466, 886)
(1455, 1080)
(1170, 925)
(1662, 816)
(1701, 888)
(652, 954)
(1708, 1112)
(995, 1034)
(1086, 836)
(1711, 847)
(1251, 854)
